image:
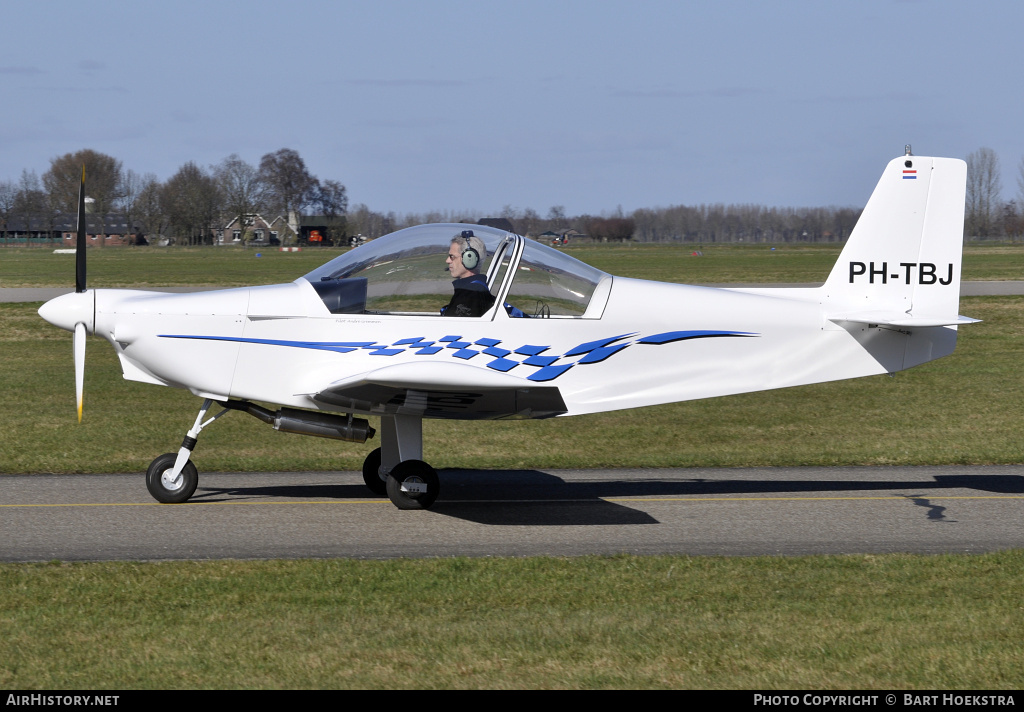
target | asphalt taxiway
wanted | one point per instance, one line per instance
(733, 512)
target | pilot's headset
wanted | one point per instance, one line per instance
(470, 256)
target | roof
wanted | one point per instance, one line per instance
(111, 223)
(500, 223)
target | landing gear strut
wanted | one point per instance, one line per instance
(172, 478)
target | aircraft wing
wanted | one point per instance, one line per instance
(442, 390)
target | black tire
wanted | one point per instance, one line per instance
(371, 474)
(413, 472)
(167, 492)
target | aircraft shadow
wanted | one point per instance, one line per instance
(320, 491)
(536, 498)
(485, 505)
(540, 498)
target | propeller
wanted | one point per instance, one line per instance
(76, 312)
(80, 331)
(79, 365)
(80, 241)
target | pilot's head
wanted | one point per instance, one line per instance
(465, 255)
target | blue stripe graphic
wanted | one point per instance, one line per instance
(549, 365)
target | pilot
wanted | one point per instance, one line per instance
(465, 258)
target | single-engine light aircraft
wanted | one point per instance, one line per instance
(364, 335)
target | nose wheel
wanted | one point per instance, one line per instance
(165, 486)
(413, 484)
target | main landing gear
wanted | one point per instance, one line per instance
(394, 469)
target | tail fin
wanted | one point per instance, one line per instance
(901, 265)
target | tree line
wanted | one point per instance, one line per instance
(987, 216)
(189, 206)
(195, 200)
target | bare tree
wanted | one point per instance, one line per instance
(1012, 222)
(983, 193)
(103, 183)
(1020, 184)
(1013, 212)
(370, 224)
(242, 190)
(331, 201)
(133, 188)
(146, 207)
(102, 174)
(31, 198)
(290, 186)
(191, 201)
(8, 193)
(31, 204)
(556, 215)
(529, 223)
(332, 198)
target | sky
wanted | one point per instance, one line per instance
(478, 106)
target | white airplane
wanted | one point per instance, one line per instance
(362, 335)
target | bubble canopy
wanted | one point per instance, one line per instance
(406, 273)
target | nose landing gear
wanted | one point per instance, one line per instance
(165, 486)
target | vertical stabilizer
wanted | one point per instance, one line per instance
(901, 264)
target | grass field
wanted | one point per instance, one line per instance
(851, 622)
(892, 622)
(143, 267)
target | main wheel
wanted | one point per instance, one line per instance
(163, 487)
(371, 474)
(413, 484)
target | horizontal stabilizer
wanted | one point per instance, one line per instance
(882, 318)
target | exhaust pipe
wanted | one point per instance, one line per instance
(307, 422)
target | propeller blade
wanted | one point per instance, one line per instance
(80, 242)
(79, 345)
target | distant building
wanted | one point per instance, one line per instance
(109, 229)
(499, 223)
(255, 229)
(323, 230)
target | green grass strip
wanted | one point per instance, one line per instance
(830, 622)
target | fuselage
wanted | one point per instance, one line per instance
(652, 343)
